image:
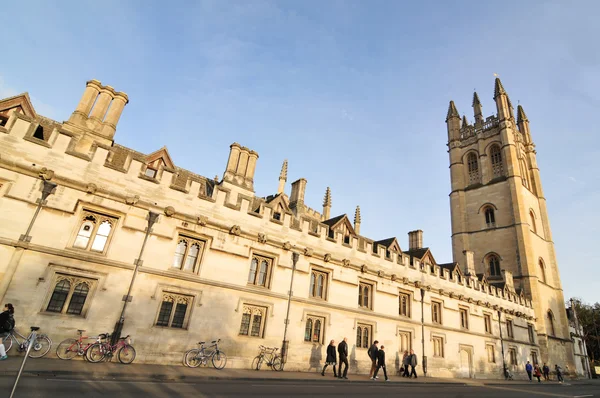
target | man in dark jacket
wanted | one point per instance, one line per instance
(343, 352)
(331, 358)
(413, 364)
(380, 363)
(373, 355)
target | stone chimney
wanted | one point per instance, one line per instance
(297, 195)
(415, 240)
(508, 279)
(469, 262)
(241, 166)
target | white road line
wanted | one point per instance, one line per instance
(290, 385)
(118, 382)
(582, 396)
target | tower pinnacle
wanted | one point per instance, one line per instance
(498, 88)
(452, 112)
(283, 177)
(327, 204)
(477, 110)
(357, 220)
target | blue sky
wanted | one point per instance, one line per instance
(353, 93)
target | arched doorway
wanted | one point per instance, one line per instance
(466, 362)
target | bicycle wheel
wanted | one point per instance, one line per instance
(192, 358)
(8, 342)
(255, 362)
(219, 360)
(40, 347)
(68, 349)
(96, 352)
(277, 364)
(261, 360)
(126, 354)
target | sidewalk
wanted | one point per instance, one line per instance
(81, 369)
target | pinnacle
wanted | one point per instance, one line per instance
(476, 100)
(284, 170)
(452, 112)
(498, 88)
(327, 199)
(521, 116)
(465, 122)
(357, 215)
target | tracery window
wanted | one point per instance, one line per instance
(404, 304)
(253, 321)
(260, 270)
(494, 265)
(496, 159)
(69, 295)
(188, 253)
(318, 284)
(174, 310)
(314, 329)
(365, 294)
(363, 333)
(473, 168)
(94, 232)
(490, 217)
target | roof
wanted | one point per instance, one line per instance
(417, 253)
(333, 221)
(386, 242)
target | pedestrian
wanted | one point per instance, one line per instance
(7, 324)
(558, 373)
(546, 371)
(372, 352)
(331, 358)
(529, 369)
(537, 372)
(343, 351)
(381, 364)
(413, 364)
(405, 364)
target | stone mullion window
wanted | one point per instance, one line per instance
(438, 347)
(314, 330)
(473, 168)
(365, 295)
(363, 335)
(253, 321)
(318, 284)
(404, 304)
(69, 295)
(188, 254)
(94, 232)
(487, 320)
(464, 318)
(509, 329)
(436, 312)
(496, 158)
(174, 310)
(260, 271)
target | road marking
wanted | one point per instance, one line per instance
(290, 385)
(118, 382)
(582, 396)
(532, 392)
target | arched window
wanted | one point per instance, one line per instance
(524, 173)
(179, 254)
(550, 326)
(490, 217)
(78, 299)
(359, 336)
(308, 330)
(473, 168)
(542, 270)
(317, 331)
(494, 265)
(94, 232)
(532, 219)
(365, 337)
(59, 296)
(496, 158)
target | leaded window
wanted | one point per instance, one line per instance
(490, 217)
(69, 295)
(496, 158)
(318, 284)
(314, 329)
(260, 270)
(404, 304)
(473, 168)
(94, 232)
(365, 291)
(436, 312)
(253, 321)
(464, 318)
(174, 310)
(363, 334)
(188, 254)
(494, 265)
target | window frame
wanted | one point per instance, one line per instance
(175, 297)
(408, 296)
(496, 161)
(487, 322)
(489, 215)
(405, 334)
(251, 309)
(74, 282)
(100, 218)
(496, 266)
(510, 331)
(313, 319)
(535, 359)
(190, 241)
(312, 287)
(438, 304)
(491, 349)
(270, 263)
(366, 339)
(463, 310)
(542, 268)
(361, 296)
(438, 346)
(512, 356)
(473, 169)
(531, 333)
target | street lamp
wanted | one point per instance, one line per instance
(423, 333)
(285, 343)
(47, 189)
(502, 345)
(152, 217)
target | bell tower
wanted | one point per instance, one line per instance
(498, 212)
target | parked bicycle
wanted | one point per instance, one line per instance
(40, 347)
(200, 356)
(270, 356)
(104, 351)
(70, 348)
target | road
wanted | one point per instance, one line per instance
(68, 387)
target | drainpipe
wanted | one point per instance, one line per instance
(502, 345)
(423, 333)
(285, 343)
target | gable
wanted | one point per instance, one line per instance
(279, 204)
(160, 157)
(428, 258)
(340, 224)
(20, 102)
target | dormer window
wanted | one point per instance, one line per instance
(388, 254)
(347, 239)
(3, 120)
(277, 216)
(150, 172)
(331, 234)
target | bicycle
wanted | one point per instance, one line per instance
(41, 346)
(105, 351)
(69, 348)
(270, 356)
(197, 356)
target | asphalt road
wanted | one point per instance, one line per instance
(65, 387)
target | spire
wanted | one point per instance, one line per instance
(465, 122)
(498, 88)
(523, 124)
(476, 100)
(477, 110)
(452, 111)
(327, 204)
(521, 116)
(357, 220)
(283, 177)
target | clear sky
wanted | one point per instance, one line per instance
(353, 93)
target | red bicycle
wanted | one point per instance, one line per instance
(105, 351)
(70, 348)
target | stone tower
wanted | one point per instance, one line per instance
(499, 213)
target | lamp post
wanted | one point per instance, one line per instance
(47, 189)
(284, 344)
(502, 344)
(423, 333)
(152, 217)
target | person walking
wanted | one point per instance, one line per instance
(331, 358)
(405, 364)
(537, 372)
(343, 352)
(381, 364)
(529, 369)
(546, 371)
(558, 373)
(7, 324)
(413, 364)
(372, 352)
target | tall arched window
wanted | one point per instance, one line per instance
(359, 336)
(473, 168)
(490, 217)
(524, 176)
(496, 158)
(550, 326)
(532, 220)
(542, 271)
(494, 265)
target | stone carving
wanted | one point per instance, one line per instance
(364, 268)
(91, 188)
(46, 174)
(202, 220)
(308, 252)
(287, 246)
(327, 257)
(169, 211)
(405, 280)
(469, 300)
(132, 200)
(235, 230)
(441, 292)
(451, 295)
(262, 238)
(393, 277)
(380, 274)
(417, 284)
(346, 262)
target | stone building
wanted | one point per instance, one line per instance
(79, 214)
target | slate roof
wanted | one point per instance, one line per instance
(332, 221)
(385, 242)
(417, 253)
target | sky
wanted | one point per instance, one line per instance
(353, 93)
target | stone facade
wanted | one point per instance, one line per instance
(221, 262)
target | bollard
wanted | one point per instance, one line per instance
(30, 343)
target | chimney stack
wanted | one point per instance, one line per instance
(415, 240)
(469, 262)
(241, 166)
(297, 196)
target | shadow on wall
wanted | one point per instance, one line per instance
(316, 355)
(353, 362)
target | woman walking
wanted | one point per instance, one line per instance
(331, 358)
(7, 323)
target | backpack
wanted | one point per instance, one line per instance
(9, 324)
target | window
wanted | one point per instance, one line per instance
(490, 219)
(314, 329)
(464, 318)
(3, 120)
(69, 295)
(494, 265)
(436, 312)
(277, 216)
(253, 321)
(473, 168)
(531, 333)
(438, 347)
(150, 172)
(318, 284)
(512, 355)
(487, 320)
(534, 358)
(365, 294)
(550, 326)
(174, 310)
(524, 178)
(509, 328)
(347, 239)
(39, 132)
(542, 271)
(188, 254)
(491, 353)
(532, 219)
(405, 341)
(404, 308)
(260, 270)
(94, 232)
(363, 335)
(496, 158)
